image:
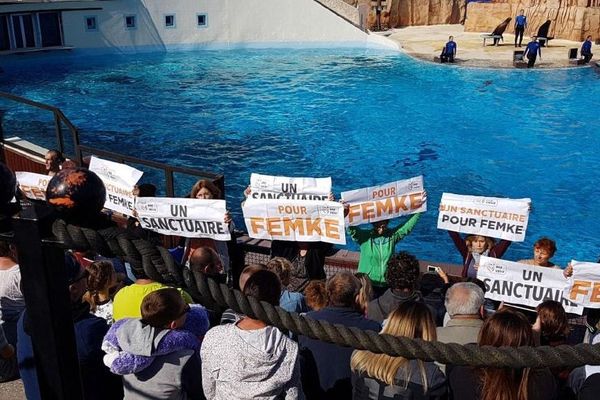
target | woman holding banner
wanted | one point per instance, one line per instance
(475, 246)
(378, 245)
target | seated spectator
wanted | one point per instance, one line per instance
(402, 277)
(543, 251)
(230, 316)
(206, 261)
(433, 286)
(156, 355)
(8, 359)
(379, 376)
(366, 292)
(464, 303)
(326, 367)
(53, 160)
(128, 300)
(289, 301)
(101, 279)
(12, 302)
(248, 359)
(98, 383)
(590, 388)
(504, 328)
(316, 295)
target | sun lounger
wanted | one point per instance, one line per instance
(497, 33)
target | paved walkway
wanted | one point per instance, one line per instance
(12, 390)
(425, 42)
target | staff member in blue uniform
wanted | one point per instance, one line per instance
(520, 25)
(449, 51)
(532, 51)
(586, 49)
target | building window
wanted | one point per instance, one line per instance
(130, 22)
(91, 24)
(202, 20)
(170, 21)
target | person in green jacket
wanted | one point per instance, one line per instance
(378, 245)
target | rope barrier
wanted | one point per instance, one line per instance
(157, 264)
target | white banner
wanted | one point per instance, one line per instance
(283, 187)
(33, 185)
(486, 216)
(119, 180)
(295, 220)
(584, 284)
(523, 284)
(193, 218)
(383, 202)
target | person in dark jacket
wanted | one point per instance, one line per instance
(504, 328)
(475, 246)
(326, 367)
(307, 258)
(586, 49)
(532, 51)
(520, 25)
(98, 382)
(449, 51)
(402, 276)
(383, 377)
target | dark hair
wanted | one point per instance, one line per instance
(100, 274)
(429, 282)
(60, 158)
(316, 295)
(210, 186)
(161, 307)
(554, 324)
(342, 289)
(546, 244)
(264, 285)
(146, 190)
(505, 328)
(403, 271)
(205, 260)
(5, 250)
(247, 273)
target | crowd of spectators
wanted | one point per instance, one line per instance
(139, 338)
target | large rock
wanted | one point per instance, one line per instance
(571, 19)
(425, 12)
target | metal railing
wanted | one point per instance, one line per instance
(169, 171)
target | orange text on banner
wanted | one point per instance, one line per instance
(584, 288)
(389, 206)
(284, 226)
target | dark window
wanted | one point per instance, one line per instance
(50, 29)
(130, 21)
(202, 20)
(4, 38)
(91, 24)
(169, 21)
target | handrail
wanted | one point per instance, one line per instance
(60, 118)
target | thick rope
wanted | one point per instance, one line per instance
(158, 264)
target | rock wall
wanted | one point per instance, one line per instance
(425, 12)
(571, 19)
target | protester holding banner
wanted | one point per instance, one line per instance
(378, 245)
(133, 224)
(207, 190)
(543, 251)
(53, 160)
(504, 328)
(473, 247)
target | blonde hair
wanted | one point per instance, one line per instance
(282, 267)
(365, 295)
(489, 242)
(410, 319)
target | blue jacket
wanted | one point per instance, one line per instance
(586, 48)
(326, 367)
(450, 48)
(533, 49)
(521, 20)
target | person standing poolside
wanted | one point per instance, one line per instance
(532, 51)
(520, 25)
(449, 51)
(586, 49)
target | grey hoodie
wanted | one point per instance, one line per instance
(238, 364)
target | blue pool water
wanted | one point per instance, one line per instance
(363, 118)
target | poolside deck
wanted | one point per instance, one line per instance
(425, 42)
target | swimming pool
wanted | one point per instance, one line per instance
(362, 117)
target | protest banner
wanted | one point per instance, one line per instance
(486, 216)
(192, 218)
(295, 220)
(33, 185)
(528, 285)
(584, 284)
(383, 202)
(283, 187)
(119, 180)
